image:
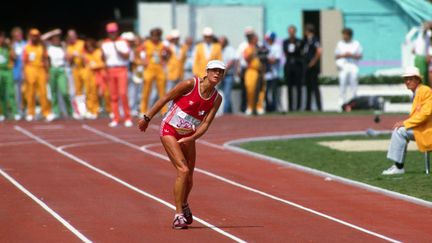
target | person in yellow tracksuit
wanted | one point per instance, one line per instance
(35, 73)
(205, 51)
(96, 79)
(74, 55)
(175, 66)
(418, 126)
(254, 83)
(156, 56)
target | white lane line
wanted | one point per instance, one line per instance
(120, 181)
(233, 146)
(45, 207)
(18, 143)
(164, 157)
(72, 145)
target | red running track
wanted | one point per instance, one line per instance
(102, 209)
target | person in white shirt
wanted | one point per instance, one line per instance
(58, 81)
(230, 60)
(272, 70)
(347, 53)
(116, 53)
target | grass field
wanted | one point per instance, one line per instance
(360, 166)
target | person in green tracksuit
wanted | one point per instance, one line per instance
(8, 104)
(57, 74)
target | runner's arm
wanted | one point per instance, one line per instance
(180, 89)
(205, 124)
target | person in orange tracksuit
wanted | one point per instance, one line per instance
(204, 52)
(96, 78)
(74, 53)
(175, 66)
(156, 58)
(35, 59)
(254, 84)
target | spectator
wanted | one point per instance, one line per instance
(254, 78)
(96, 78)
(176, 60)
(57, 74)
(74, 54)
(417, 127)
(18, 44)
(312, 55)
(35, 60)
(7, 89)
(157, 55)
(347, 53)
(136, 76)
(204, 52)
(229, 58)
(188, 47)
(272, 71)
(293, 69)
(116, 54)
(242, 65)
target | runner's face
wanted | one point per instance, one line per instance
(215, 75)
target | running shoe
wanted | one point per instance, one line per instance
(179, 222)
(113, 124)
(393, 170)
(187, 213)
(128, 123)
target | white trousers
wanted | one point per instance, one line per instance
(348, 75)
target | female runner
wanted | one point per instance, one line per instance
(194, 105)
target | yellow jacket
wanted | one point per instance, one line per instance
(176, 62)
(94, 60)
(200, 60)
(420, 118)
(76, 50)
(253, 61)
(154, 53)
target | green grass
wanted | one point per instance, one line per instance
(360, 166)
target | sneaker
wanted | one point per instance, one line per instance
(50, 117)
(90, 116)
(187, 213)
(179, 222)
(113, 124)
(393, 170)
(76, 116)
(17, 117)
(260, 112)
(248, 112)
(29, 118)
(128, 123)
(2, 118)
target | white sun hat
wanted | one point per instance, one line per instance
(130, 36)
(215, 64)
(175, 34)
(412, 72)
(207, 31)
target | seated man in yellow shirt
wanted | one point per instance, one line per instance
(417, 127)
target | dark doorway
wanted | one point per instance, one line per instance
(312, 17)
(88, 17)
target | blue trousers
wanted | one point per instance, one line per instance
(398, 144)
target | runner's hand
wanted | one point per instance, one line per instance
(142, 125)
(186, 139)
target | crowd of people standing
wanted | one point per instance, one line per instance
(124, 74)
